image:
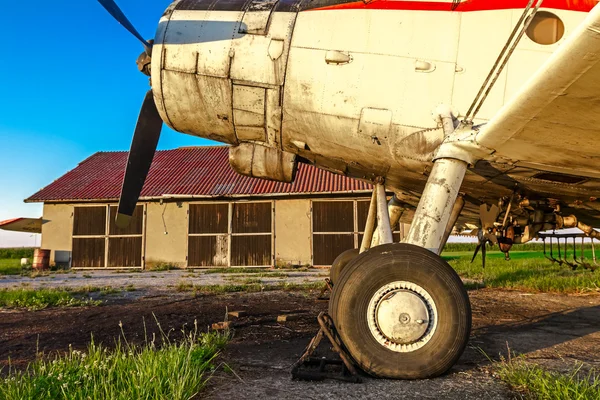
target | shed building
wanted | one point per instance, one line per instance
(195, 211)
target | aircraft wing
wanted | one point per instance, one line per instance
(553, 123)
(31, 225)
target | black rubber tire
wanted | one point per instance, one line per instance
(340, 263)
(401, 262)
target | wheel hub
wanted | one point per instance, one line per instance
(402, 316)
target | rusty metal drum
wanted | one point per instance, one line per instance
(41, 259)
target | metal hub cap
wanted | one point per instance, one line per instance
(402, 316)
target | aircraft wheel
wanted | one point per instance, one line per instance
(402, 312)
(340, 262)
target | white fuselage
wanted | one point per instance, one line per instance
(347, 87)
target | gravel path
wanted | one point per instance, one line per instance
(150, 281)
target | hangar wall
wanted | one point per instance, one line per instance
(293, 232)
(164, 234)
(57, 228)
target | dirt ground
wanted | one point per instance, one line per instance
(553, 330)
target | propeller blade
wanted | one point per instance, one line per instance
(141, 153)
(488, 217)
(114, 10)
(483, 253)
(476, 251)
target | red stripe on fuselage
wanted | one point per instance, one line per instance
(465, 6)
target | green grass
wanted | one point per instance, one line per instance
(249, 288)
(165, 370)
(17, 253)
(532, 246)
(534, 382)
(10, 266)
(249, 270)
(41, 298)
(527, 270)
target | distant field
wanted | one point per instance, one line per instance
(10, 266)
(527, 270)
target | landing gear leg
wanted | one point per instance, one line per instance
(400, 309)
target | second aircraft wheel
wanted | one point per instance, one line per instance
(340, 263)
(402, 312)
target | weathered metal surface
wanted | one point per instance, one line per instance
(30, 225)
(89, 221)
(259, 161)
(438, 199)
(195, 171)
(125, 252)
(88, 253)
(459, 204)
(369, 224)
(384, 229)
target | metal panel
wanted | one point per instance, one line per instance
(134, 227)
(251, 250)
(207, 251)
(125, 252)
(197, 171)
(208, 218)
(89, 221)
(252, 217)
(327, 247)
(88, 253)
(333, 216)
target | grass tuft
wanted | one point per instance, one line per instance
(155, 370)
(534, 382)
(41, 298)
(10, 266)
(528, 271)
(249, 288)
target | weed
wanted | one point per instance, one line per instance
(249, 270)
(525, 271)
(160, 266)
(183, 286)
(157, 369)
(87, 276)
(251, 281)
(534, 382)
(256, 287)
(42, 298)
(10, 266)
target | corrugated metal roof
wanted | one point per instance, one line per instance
(190, 171)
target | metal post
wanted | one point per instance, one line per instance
(395, 210)
(370, 225)
(437, 201)
(456, 210)
(384, 229)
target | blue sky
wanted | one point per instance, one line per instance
(69, 88)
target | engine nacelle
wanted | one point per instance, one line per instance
(219, 73)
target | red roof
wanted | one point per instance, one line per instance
(192, 171)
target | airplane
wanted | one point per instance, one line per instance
(474, 113)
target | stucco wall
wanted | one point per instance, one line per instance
(292, 232)
(57, 226)
(166, 234)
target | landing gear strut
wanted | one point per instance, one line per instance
(399, 308)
